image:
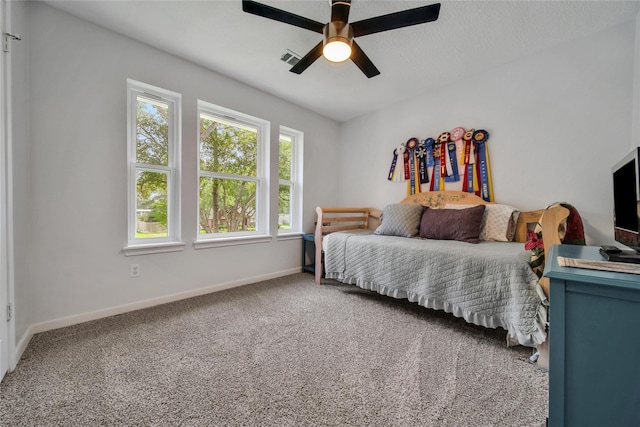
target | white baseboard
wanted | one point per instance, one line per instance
(22, 345)
(112, 311)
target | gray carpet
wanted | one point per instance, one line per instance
(284, 352)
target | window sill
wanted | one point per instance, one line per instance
(153, 248)
(296, 235)
(230, 241)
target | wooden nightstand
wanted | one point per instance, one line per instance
(308, 252)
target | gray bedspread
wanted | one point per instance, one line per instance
(489, 284)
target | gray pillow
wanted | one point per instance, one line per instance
(400, 220)
(452, 224)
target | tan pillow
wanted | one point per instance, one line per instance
(498, 222)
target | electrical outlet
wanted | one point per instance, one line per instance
(134, 270)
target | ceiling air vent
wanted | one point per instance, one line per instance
(290, 57)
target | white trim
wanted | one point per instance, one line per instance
(295, 181)
(153, 248)
(297, 235)
(263, 128)
(125, 308)
(6, 193)
(292, 235)
(173, 169)
(23, 343)
(4, 246)
(230, 241)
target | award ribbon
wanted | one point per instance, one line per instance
(439, 168)
(480, 138)
(468, 160)
(428, 143)
(421, 154)
(456, 139)
(451, 155)
(435, 173)
(407, 172)
(443, 139)
(398, 175)
(392, 169)
(411, 150)
(443, 157)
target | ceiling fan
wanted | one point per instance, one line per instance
(338, 42)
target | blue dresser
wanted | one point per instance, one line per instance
(594, 347)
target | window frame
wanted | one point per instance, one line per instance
(263, 128)
(295, 181)
(172, 242)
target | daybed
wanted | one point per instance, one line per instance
(490, 283)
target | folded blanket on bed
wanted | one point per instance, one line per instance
(489, 284)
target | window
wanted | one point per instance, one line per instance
(233, 170)
(290, 181)
(154, 168)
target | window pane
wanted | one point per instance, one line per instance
(285, 158)
(151, 204)
(227, 148)
(227, 205)
(284, 207)
(152, 132)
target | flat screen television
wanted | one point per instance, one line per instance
(626, 200)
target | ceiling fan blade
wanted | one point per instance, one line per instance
(340, 10)
(308, 59)
(405, 18)
(362, 61)
(269, 12)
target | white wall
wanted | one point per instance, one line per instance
(77, 202)
(558, 121)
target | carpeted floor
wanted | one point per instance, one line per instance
(284, 352)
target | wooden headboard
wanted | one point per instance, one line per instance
(442, 198)
(439, 199)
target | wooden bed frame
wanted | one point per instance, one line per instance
(340, 219)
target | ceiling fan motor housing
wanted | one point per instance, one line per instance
(338, 32)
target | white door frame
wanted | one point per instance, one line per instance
(7, 318)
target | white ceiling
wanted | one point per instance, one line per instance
(468, 38)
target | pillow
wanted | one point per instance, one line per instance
(400, 220)
(452, 224)
(498, 223)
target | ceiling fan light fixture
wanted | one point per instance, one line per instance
(337, 51)
(338, 38)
